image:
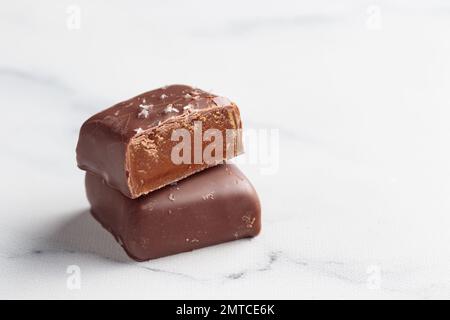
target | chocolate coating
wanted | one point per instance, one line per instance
(214, 206)
(129, 145)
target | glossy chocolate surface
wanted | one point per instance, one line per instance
(129, 145)
(214, 206)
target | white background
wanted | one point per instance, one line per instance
(360, 93)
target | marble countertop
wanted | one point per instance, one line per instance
(358, 203)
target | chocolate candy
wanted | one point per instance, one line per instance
(131, 145)
(214, 206)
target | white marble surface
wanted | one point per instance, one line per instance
(363, 108)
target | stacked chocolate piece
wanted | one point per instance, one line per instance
(156, 176)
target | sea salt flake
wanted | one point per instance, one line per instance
(164, 96)
(146, 106)
(188, 107)
(143, 114)
(138, 131)
(171, 197)
(170, 108)
(187, 96)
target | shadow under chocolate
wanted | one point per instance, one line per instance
(81, 233)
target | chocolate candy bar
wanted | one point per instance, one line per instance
(216, 205)
(159, 137)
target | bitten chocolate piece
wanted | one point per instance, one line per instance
(214, 206)
(131, 144)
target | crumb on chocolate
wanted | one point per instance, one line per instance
(209, 195)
